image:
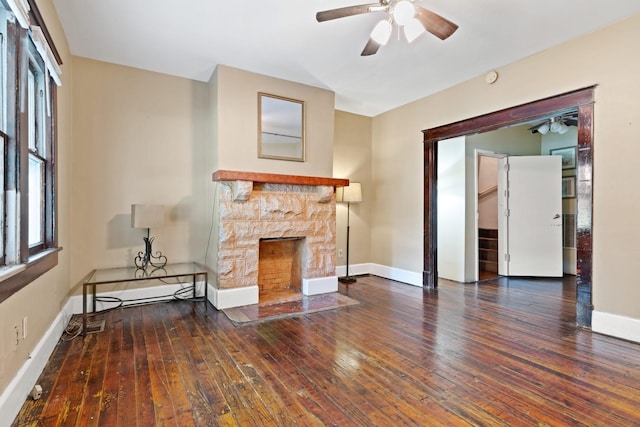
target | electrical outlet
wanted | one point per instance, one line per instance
(36, 392)
(16, 332)
(339, 253)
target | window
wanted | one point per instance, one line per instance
(39, 153)
(28, 73)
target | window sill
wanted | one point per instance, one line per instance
(7, 272)
(14, 278)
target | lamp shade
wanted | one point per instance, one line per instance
(350, 194)
(544, 128)
(147, 216)
(403, 11)
(381, 32)
(413, 29)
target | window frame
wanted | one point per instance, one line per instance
(43, 150)
(21, 264)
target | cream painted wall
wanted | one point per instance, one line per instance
(352, 160)
(237, 123)
(42, 300)
(139, 137)
(233, 112)
(452, 195)
(605, 58)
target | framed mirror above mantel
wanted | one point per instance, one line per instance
(281, 128)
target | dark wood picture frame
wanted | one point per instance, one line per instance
(568, 187)
(568, 156)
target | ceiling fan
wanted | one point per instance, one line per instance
(556, 124)
(405, 13)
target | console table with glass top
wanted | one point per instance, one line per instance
(133, 274)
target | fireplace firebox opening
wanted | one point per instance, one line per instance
(280, 268)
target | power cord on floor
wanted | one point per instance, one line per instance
(74, 327)
(72, 330)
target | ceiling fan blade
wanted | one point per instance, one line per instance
(342, 12)
(435, 24)
(371, 48)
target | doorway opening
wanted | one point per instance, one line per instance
(486, 208)
(580, 100)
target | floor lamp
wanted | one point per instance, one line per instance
(350, 194)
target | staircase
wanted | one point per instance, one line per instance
(488, 250)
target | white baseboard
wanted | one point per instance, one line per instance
(392, 273)
(617, 326)
(15, 394)
(320, 285)
(397, 274)
(233, 297)
(354, 269)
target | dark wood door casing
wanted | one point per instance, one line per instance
(582, 100)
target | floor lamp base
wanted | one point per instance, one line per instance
(347, 279)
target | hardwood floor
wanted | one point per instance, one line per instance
(503, 352)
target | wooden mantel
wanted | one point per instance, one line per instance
(272, 178)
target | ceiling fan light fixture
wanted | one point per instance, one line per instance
(381, 32)
(544, 128)
(413, 29)
(562, 128)
(400, 13)
(555, 125)
(403, 12)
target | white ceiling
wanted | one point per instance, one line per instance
(281, 38)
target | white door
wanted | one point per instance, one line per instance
(530, 216)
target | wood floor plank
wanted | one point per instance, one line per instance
(306, 390)
(164, 329)
(200, 390)
(127, 412)
(505, 352)
(89, 408)
(226, 375)
(267, 384)
(164, 411)
(347, 391)
(111, 390)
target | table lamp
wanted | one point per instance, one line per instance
(148, 216)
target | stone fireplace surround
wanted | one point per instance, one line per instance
(251, 206)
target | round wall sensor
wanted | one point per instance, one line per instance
(491, 77)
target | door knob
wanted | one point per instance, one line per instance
(556, 216)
